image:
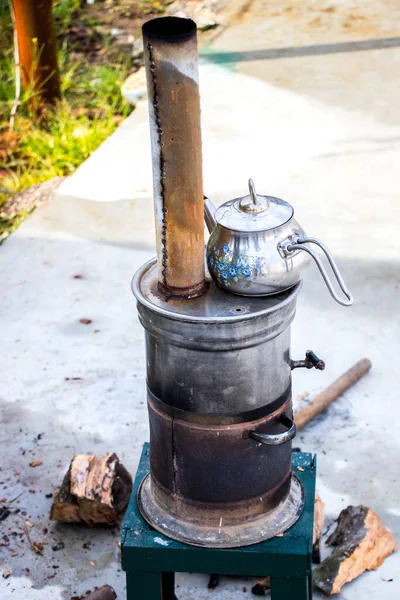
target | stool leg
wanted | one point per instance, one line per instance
(150, 586)
(168, 586)
(143, 586)
(291, 589)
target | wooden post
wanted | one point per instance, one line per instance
(37, 51)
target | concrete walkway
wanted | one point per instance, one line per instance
(325, 136)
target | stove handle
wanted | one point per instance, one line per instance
(270, 439)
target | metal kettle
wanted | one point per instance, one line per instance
(257, 248)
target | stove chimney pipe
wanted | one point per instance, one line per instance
(171, 61)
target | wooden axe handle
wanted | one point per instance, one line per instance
(336, 389)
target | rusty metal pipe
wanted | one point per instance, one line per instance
(171, 60)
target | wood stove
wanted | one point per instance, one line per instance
(218, 364)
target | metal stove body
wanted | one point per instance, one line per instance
(220, 412)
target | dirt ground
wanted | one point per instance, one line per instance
(313, 117)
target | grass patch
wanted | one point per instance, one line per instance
(92, 67)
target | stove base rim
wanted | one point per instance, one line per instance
(244, 533)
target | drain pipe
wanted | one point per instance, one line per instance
(171, 61)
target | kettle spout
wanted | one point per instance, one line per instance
(209, 214)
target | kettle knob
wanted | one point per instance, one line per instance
(252, 190)
(253, 203)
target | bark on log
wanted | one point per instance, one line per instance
(318, 527)
(362, 544)
(65, 507)
(94, 490)
(336, 389)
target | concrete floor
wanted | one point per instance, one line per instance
(321, 131)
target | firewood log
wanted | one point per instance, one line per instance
(362, 544)
(261, 586)
(105, 592)
(318, 527)
(94, 490)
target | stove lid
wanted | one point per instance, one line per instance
(215, 306)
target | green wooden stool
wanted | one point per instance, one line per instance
(150, 559)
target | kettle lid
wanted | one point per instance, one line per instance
(254, 212)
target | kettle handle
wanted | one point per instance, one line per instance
(298, 244)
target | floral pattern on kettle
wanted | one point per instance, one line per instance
(227, 267)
